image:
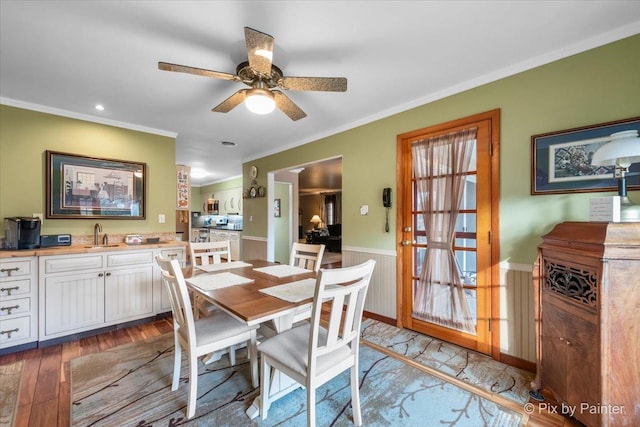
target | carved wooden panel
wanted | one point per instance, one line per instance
(577, 284)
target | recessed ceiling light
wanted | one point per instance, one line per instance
(99, 107)
(228, 143)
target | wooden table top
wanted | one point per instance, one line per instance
(246, 302)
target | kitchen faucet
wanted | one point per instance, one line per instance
(96, 229)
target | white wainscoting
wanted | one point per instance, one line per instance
(517, 321)
(381, 297)
(253, 248)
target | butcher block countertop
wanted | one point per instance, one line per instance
(88, 249)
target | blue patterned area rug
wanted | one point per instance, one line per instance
(456, 363)
(131, 386)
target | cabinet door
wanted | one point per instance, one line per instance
(128, 293)
(234, 239)
(73, 302)
(554, 360)
(583, 369)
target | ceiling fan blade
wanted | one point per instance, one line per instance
(231, 102)
(322, 84)
(165, 66)
(259, 50)
(287, 106)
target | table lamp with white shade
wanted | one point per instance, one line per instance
(315, 220)
(621, 151)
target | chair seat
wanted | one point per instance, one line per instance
(218, 326)
(291, 348)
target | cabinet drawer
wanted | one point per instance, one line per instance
(60, 265)
(177, 253)
(15, 306)
(12, 268)
(131, 258)
(14, 287)
(14, 329)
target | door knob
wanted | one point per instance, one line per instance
(406, 243)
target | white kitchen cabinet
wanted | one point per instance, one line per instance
(128, 286)
(230, 201)
(18, 301)
(71, 303)
(232, 236)
(89, 291)
(235, 239)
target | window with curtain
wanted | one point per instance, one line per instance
(441, 170)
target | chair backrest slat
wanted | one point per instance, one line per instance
(306, 256)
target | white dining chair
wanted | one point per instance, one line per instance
(199, 337)
(306, 256)
(311, 354)
(205, 253)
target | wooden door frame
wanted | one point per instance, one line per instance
(402, 166)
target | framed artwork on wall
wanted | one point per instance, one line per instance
(94, 188)
(276, 208)
(561, 161)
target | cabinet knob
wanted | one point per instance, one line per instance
(568, 342)
(100, 274)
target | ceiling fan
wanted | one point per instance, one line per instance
(262, 77)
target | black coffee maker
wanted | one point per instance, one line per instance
(21, 233)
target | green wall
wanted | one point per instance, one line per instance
(25, 136)
(593, 87)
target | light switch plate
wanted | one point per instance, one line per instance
(364, 209)
(161, 218)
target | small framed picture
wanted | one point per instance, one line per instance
(276, 208)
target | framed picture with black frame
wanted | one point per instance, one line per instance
(82, 187)
(561, 160)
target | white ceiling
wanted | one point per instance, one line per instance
(66, 56)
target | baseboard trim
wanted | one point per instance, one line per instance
(384, 319)
(517, 362)
(514, 361)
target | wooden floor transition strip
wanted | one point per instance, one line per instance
(493, 397)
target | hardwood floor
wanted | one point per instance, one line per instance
(45, 390)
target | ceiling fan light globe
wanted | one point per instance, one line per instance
(260, 101)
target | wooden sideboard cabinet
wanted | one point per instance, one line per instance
(587, 291)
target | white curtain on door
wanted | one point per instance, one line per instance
(439, 166)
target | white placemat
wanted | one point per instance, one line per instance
(282, 270)
(294, 291)
(223, 266)
(209, 282)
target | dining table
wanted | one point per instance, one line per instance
(242, 289)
